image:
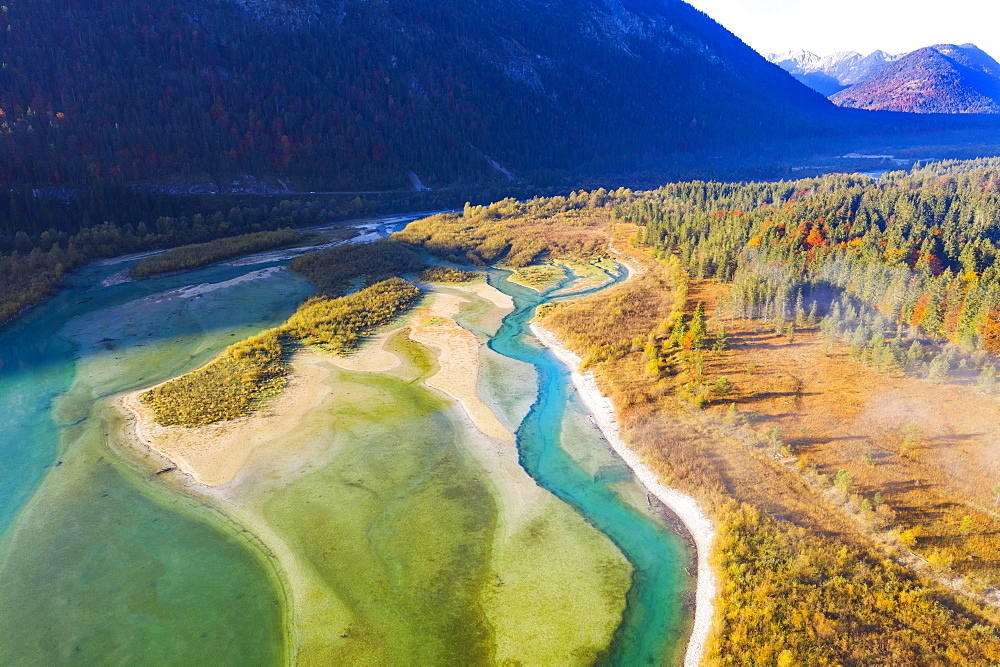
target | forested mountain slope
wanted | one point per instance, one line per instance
(349, 94)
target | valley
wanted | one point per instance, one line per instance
(514, 333)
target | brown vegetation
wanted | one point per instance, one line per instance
(248, 373)
(446, 274)
(198, 255)
(513, 234)
(803, 580)
(336, 270)
(233, 385)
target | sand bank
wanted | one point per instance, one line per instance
(685, 507)
(492, 294)
(371, 358)
(458, 356)
(120, 278)
(552, 569)
(193, 291)
(213, 455)
(121, 259)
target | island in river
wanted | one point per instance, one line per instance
(390, 579)
(345, 492)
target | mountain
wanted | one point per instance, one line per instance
(936, 79)
(344, 94)
(832, 73)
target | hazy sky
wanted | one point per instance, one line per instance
(825, 26)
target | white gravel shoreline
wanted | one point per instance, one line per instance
(685, 507)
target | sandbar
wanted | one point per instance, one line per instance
(213, 455)
(235, 463)
(434, 327)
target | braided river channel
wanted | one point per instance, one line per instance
(103, 562)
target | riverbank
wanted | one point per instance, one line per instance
(685, 507)
(370, 461)
(457, 350)
(213, 455)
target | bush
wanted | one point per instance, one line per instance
(233, 385)
(248, 373)
(198, 255)
(446, 274)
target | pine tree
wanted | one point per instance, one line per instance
(723, 387)
(721, 343)
(678, 332)
(940, 367)
(987, 381)
(914, 356)
(698, 330)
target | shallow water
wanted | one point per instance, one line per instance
(101, 563)
(654, 629)
(97, 563)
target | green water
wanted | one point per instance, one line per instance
(99, 564)
(397, 527)
(409, 558)
(654, 628)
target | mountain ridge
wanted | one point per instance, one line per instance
(349, 94)
(834, 72)
(944, 78)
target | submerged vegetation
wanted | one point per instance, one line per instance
(823, 558)
(911, 259)
(788, 593)
(197, 255)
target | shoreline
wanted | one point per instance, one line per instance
(685, 507)
(215, 455)
(520, 501)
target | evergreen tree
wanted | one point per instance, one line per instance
(698, 330)
(939, 369)
(987, 380)
(721, 342)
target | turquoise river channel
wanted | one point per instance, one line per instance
(101, 564)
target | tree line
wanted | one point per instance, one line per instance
(43, 237)
(916, 248)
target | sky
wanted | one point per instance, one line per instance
(827, 26)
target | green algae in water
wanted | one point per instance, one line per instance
(155, 570)
(400, 554)
(654, 628)
(397, 527)
(99, 573)
(103, 567)
(416, 361)
(507, 385)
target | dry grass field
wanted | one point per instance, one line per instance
(918, 488)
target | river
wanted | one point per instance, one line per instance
(99, 563)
